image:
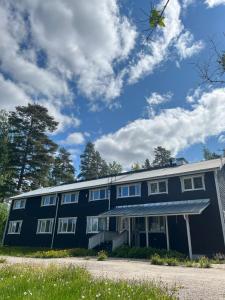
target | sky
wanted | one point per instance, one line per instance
(90, 64)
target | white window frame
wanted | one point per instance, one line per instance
(128, 185)
(192, 183)
(71, 202)
(19, 201)
(98, 199)
(11, 226)
(96, 231)
(50, 195)
(157, 182)
(65, 232)
(44, 220)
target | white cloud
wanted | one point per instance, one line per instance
(157, 51)
(221, 139)
(194, 95)
(174, 129)
(186, 46)
(212, 3)
(75, 138)
(156, 98)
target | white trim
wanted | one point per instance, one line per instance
(222, 217)
(65, 232)
(97, 217)
(19, 200)
(20, 226)
(157, 182)
(167, 234)
(49, 195)
(128, 185)
(147, 231)
(51, 225)
(71, 202)
(98, 189)
(192, 183)
(55, 220)
(188, 236)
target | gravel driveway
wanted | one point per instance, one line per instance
(194, 283)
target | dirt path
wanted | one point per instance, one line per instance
(194, 283)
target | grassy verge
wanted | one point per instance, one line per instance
(23, 282)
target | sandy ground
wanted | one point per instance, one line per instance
(194, 283)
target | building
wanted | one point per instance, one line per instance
(180, 207)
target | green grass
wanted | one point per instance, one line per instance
(2, 260)
(56, 283)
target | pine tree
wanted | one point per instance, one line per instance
(114, 168)
(207, 154)
(6, 182)
(147, 164)
(33, 151)
(162, 157)
(63, 170)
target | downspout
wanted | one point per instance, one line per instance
(55, 219)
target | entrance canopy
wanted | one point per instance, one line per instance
(187, 207)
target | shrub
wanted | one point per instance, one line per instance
(157, 260)
(77, 252)
(2, 260)
(51, 254)
(204, 262)
(189, 263)
(172, 261)
(219, 258)
(102, 255)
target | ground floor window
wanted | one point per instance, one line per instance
(96, 224)
(156, 224)
(67, 225)
(45, 225)
(15, 227)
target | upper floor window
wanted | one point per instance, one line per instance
(45, 225)
(98, 194)
(191, 183)
(19, 204)
(158, 187)
(96, 224)
(70, 198)
(130, 190)
(15, 227)
(48, 200)
(67, 225)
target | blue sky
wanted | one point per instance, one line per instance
(90, 65)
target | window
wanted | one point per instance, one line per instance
(19, 204)
(158, 187)
(192, 183)
(156, 224)
(96, 224)
(131, 190)
(98, 194)
(67, 225)
(44, 226)
(70, 198)
(48, 200)
(15, 227)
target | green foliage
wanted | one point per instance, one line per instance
(32, 149)
(156, 19)
(114, 168)
(204, 262)
(81, 252)
(147, 164)
(190, 263)
(162, 157)
(51, 254)
(3, 218)
(170, 261)
(102, 255)
(135, 167)
(69, 282)
(157, 260)
(63, 170)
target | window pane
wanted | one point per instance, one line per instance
(70, 225)
(125, 191)
(132, 190)
(47, 226)
(153, 187)
(137, 188)
(187, 184)
(95, 224)
(64, 225)
(96, 195)
(198, 184)
(119, 191)
(162, 187)
(140, 224)
(73, 197)
(103, 194)
(102, 224)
